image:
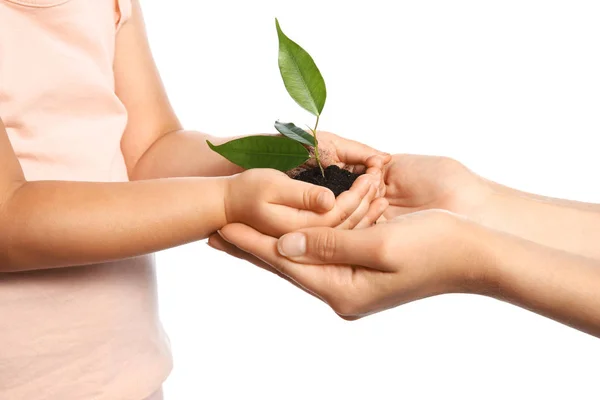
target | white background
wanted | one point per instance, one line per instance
(510, 88)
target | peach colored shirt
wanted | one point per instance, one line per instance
(88, 332)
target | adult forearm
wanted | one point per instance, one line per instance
(550, 282)
(183, 153)
(563, 202)
(561, 224)
(51, 224)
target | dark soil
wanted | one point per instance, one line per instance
(336, 179)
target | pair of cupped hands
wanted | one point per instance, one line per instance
(396, 236)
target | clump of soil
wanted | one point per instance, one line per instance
(336, 179)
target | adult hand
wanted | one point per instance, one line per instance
(364, 271)
(416, 182)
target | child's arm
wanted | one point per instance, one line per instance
(53, 224)
(50, 224)
(154, 144)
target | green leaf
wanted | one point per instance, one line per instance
(290, 130)
(274, 152)
(300, 74)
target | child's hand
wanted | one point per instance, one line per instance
(363, 271)
(272, 203)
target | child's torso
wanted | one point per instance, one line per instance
(57, 91)
(84, 332)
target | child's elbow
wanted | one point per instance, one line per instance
(6, 260)
(6, 264)
(8, 227)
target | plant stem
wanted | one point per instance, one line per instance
(314, 131)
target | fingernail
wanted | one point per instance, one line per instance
(324, 199)
(363, 183)
(386, 157)
(211, 245)
(292, 245)
(383, 206)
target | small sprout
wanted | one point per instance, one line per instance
(306, 86)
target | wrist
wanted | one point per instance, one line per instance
(229, 199)
(496, 206)
(220, 193)
(477, 271)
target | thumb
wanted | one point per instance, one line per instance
(304, 196)
(332, 246)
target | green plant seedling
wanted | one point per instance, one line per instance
(305, 84)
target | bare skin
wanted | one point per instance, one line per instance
(534, 252)
(155, 145)
(361, 272)
(53, 224)
(417, 182)
(179, 192)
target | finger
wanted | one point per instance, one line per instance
(304, 196)
(395, 211)
(356, 169)
(377, 173)
(349, 317)
(347, 203)
(380, 160)
(354, 153)
(241, 236)
(376, 161)
(334, 246)
(376, 210)
(310, 278)
(360, 212)
(387, 158)
(378, 164)
(217, 242)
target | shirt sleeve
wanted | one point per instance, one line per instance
(123, 12)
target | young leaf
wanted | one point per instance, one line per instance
(290, 130)
(300, 74)
(263, 152)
